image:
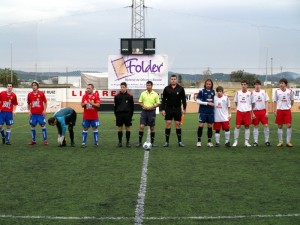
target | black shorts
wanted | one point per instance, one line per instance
(71, 120)
(148, 118)
(175, 114)
(123, 119)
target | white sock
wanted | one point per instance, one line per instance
(288, 134)
(217, 136)
(247, 134)
(266, 132)
(227, 136)
(279, 131)
(236, 134)
(255, 134)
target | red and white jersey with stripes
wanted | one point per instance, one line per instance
(283, 98)
(243, 100)
(221, 105)
(260, 98)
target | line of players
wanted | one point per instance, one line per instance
(252, 108)
(37, 105)
(214, 109)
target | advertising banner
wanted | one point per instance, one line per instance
(136, 70)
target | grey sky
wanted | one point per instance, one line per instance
(224, 35)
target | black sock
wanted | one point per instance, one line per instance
(120, 135)
(178, 132)
(209, 133)
(127, 136)
(167, 134)
(71, 136)
(199, 133)
(152, 137)
(141, 134)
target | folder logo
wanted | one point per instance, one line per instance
(120, 68)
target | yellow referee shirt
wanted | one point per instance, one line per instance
(149, 99)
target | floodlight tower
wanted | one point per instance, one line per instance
(138, 19)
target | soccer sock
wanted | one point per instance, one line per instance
(288, 134)
(227, 136)
(141, 134)
(247, 134)
(2, 132)
(178, 132)
(267, 133)
(7, 135)
(209, 133)
(71, 135)
(44, 132)
(33, 134)
(84, 136)
(152, 135)
(255, 134)
(96, 136)
(217, 137)
(127, 136)
(167, 134)
(236, 134)
(279, 131)
(120, 135)
(199, 133)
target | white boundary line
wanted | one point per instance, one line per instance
(139, 209)
(151, 218)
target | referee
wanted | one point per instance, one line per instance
(123, 109)
(148, 100)
(173, 99)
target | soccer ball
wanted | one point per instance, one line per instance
(147, 145)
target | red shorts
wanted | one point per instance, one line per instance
(224, 125)
(260, 116)
(243, 118)
(283, 117)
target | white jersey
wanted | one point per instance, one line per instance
(221, 108)
(283, 98)
(260, 98)
(243, 100)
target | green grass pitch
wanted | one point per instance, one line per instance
(51, 185)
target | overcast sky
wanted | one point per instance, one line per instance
(224, 35)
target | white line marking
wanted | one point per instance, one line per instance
(151, 218)
(221, 217)
(66, 218)
(139, 209)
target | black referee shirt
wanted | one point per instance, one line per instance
(173, 97)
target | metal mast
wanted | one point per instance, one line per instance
(138, 19)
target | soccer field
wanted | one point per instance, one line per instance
(108, 185)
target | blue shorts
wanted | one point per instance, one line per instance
(7, 118)
(206, 118)
(90, 123)
(148, 118)
(37, 119)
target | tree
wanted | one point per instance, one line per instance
(5, 77)
(180, 79)
(238, 76)
(207, 74)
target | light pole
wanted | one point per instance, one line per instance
(271, 69)
(11, 73)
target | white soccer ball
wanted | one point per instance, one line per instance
(147, 145)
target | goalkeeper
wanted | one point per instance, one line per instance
(62, 118)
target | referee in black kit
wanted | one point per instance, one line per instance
(123, 109)
(173, 98)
